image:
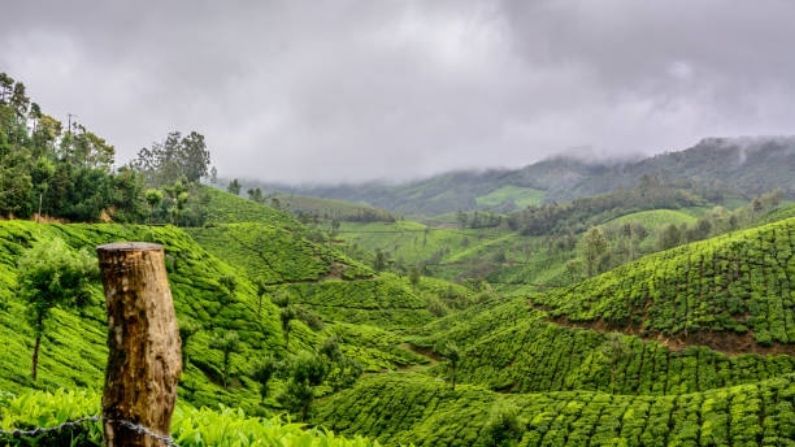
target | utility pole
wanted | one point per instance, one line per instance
(69, 120)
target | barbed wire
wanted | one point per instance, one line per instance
(137, 428)
(42, 430)
(146, 431)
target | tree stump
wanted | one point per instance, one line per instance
(144, 361)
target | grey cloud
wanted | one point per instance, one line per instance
(355, 90)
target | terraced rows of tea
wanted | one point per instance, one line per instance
(216, 290)
(405, 408)
(536, 355)
(667, 350)
(739, 284)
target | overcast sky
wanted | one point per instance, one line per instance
(320, 91)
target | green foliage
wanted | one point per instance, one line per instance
(228, 343)
(307, 371)
(576, 216)
(520, 351)
(316, 210)
(277, 253)
(225, 208)
(402, 408)
(594, 247)
(452, 354)
(53, 275)
(66, 174)
(190, 427)
(193, 276)
(175, 158)
(186, 331)
(504, 427)
(264, 371)
(234, 187)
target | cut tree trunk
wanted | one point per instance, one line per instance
(144, 359)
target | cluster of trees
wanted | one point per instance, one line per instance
(303, 372)
(66, 171)
(578, 215)
(606, 247)
(478, 219)
(47, 168)
(719, 221)
(308, 370)
(173, 170)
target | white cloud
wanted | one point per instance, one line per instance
(355, 90)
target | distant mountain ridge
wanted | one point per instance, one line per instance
(745, 166)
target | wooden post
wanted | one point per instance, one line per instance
(144, 362)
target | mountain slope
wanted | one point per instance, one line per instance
(460, 190)
(740, 166)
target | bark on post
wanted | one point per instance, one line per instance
(144, 362)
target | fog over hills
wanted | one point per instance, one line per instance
(744, 165)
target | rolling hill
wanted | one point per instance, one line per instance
(216, 274)
(684, 347)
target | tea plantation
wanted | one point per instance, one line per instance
(402, 408)
(738, 284)
(690, 346)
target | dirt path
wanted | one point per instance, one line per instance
(432, 357)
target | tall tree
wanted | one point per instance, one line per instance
(6, 85)
(594, 246)
(263, 373)
(234, 187)
(256, 195)
(670, 237)
(452, 353)
(287, 315)
(174, 158)
(228, 343)
(19, 100)
(53, 275)
(308, 370)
